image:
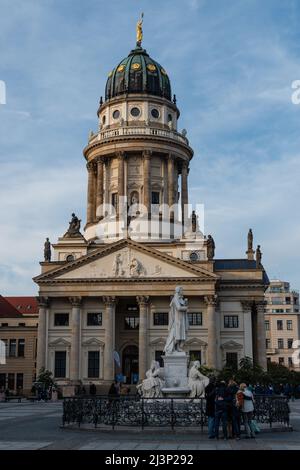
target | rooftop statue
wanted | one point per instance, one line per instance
(250, 240)
(210, 247)
(139, 31)
(47, 250)
(74, 228)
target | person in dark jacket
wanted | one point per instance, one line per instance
(93, 389)
(233, 413)
(210, 395)
(221, 401)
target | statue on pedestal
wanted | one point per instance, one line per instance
(47, 250)
(210, 247)
(74, 228)
(258, 257)
(250, 240)
(151, 386)
(178, 323)
(197, 381)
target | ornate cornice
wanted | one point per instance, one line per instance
(109, 301)
(260, 306)
(211, 300)
(75, 301)
(247, 305)
(103, 251)
(43, 301)
(142, 300)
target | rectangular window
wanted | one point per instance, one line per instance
(61, 319)
(19, 381)
(279, 324)
(114, 201)
(2, 381)
(21, 347)
(268, 343)
(155, 197)
(277, 301)
(11, 381)
(93, 364)
(161, 318)
(94, 319)
(289, 324)
(287, 300)
(158, 358)
(280, 343)
(195, 355)
(290, 343)
(195, 319)
(12, 348)
(281, 360)
(232, 360)
(4, 348)
(60, 364)
(231, 321)
(4, 324)
(131, 322)
(267, 325)
(290, 361)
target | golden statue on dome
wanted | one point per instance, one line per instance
(139, 31)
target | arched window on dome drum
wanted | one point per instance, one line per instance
(119, 83)
(136, 81)
(108, 88)
(153, 84)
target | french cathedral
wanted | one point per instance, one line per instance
(105, 289)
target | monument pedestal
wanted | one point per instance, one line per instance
(175, 375)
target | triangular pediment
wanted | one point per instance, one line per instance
(126, 259)
(231, 345)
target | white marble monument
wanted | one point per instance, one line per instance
(175, 359)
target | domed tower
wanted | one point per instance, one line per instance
(137, 155)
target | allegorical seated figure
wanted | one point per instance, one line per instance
(197, 381)
(151, 386)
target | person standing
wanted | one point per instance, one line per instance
(210, 395)
(233, 410)
(247, 409)
(93, 389)
(221, 402)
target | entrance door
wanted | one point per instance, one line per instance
(130, 364)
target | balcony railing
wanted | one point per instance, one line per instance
(136, 131)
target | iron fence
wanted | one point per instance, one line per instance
(161, 412)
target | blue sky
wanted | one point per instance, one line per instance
(231, 65)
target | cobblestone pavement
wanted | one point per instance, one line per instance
(37, 426)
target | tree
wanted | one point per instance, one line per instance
(45, 377)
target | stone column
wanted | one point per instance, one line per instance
(121, 180)
(147, 179)
(184, 191)
(41, 334)
(99, 191)
(248, 341)
(91, 194)
(171, 185)
(109, 366)
(261, 334)
(212, 344)
(75, 338)
(143, 335)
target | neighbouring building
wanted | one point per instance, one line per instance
(282, 322)
(18, 343)
(104, 294)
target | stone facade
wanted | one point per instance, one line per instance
(282, 322)
(104, 311)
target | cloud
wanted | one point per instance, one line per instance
(231, 66)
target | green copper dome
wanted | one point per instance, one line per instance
(138, 73)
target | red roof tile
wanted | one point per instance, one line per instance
(24, 305)
(7, 310)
